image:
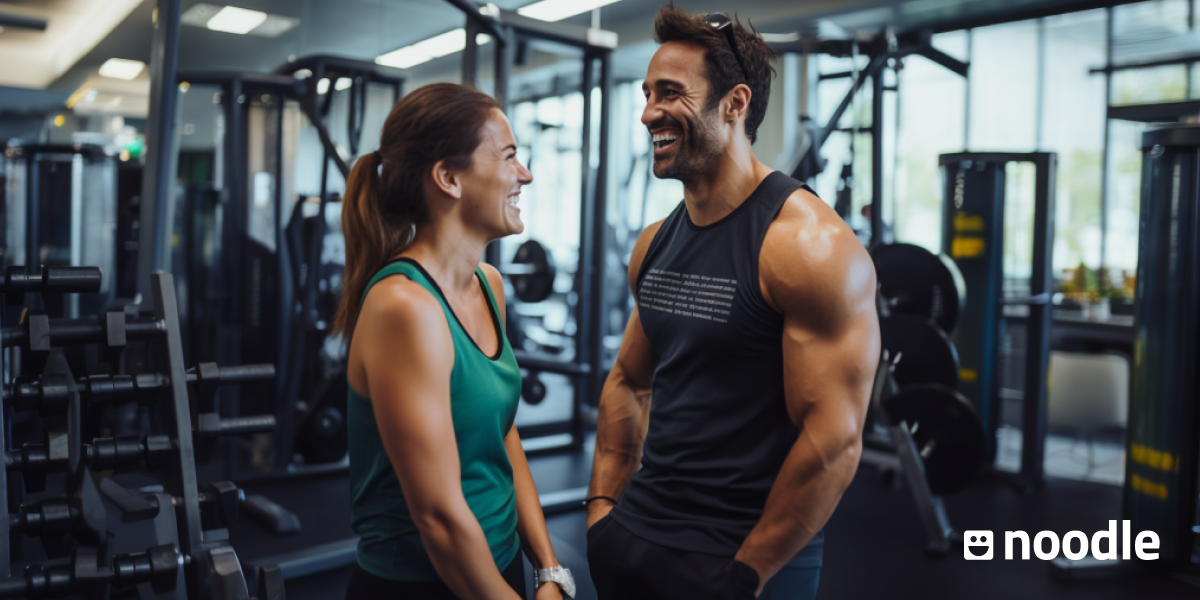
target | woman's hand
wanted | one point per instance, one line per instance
(549, 591)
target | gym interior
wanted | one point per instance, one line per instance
(1025, 175)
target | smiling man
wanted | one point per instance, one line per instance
(743, 378)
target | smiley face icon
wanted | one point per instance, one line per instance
(977, 545)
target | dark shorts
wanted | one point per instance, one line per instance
(626, 567)
(365, 586)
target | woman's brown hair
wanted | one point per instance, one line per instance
(382, 206)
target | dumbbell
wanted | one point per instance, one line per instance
(49, 394)
(158, 566)
(533, 390)
(34, 461)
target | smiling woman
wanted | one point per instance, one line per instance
(442, 497)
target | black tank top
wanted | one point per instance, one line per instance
(719, 427)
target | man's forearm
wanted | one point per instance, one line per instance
(807, 490)
(620, 431)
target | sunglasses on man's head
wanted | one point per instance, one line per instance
(724, 24)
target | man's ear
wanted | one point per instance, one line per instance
(738, 102)
(446, 180)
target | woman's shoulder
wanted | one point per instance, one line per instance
(398, 301)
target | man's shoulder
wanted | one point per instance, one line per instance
(809, 253)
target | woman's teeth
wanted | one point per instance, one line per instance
(664, 139)
(513, 199)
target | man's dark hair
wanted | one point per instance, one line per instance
(674, 24)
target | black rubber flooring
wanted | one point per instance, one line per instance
(873, 542)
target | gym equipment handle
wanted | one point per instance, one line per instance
(76, 332)
(533, 362)
(211, 425)
(241, 374)
(60, 280)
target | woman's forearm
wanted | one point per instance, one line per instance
(460, 554)
(531, 522)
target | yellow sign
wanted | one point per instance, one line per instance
(966, 222)
(1149, 457)
(968, 375)
(1147, 487)
(967, 247)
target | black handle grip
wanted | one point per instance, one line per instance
(247, 373)
(59, 280)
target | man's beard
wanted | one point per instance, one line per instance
(698, 153)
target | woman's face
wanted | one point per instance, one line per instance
(492, 186)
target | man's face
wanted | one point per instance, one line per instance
(686, 136)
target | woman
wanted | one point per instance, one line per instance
(442, 497)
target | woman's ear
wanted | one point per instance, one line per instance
(446, 180)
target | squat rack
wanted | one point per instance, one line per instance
(509, 32)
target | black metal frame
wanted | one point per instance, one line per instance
(1041, 286)
(236, 87)
(508, 29)
(881, 52)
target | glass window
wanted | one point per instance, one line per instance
(1124, 192)
(1073, 113)
(1003, 96)
(931, 122)
(1151, 84)
(1147, 31)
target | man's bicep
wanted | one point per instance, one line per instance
(829, 375)
(636, 359)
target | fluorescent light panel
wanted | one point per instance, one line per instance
(557, 10)
(455, 40)
(120, 68)
(426, 50)
(232, 19)
(343, 83)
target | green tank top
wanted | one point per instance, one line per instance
(484, 392)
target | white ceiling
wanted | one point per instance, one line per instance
(35, 59)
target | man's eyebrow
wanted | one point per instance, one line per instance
(664, 83)
(512, 147)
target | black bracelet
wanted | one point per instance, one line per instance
(589, 500)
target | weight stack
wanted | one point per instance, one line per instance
(1164, 428)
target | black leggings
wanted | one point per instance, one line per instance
(365, 586)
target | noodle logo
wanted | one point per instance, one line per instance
(1046, 545)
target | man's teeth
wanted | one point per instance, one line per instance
(664, 139)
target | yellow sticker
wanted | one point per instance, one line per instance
(968, 222)
(968, 375)
(967, 247)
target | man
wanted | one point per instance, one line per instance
(743, 379)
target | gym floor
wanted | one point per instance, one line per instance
(873, 542)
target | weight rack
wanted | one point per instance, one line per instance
(164, 535)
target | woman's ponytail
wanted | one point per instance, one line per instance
(384, 199)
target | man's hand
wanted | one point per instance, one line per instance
(598, 509)
(549, 591)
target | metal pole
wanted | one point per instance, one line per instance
(1037, 340)
(154, 239)
(470, 56)
(285, 302)
(32, 228)
(1108, 77)
(585, 272)
(876, 157)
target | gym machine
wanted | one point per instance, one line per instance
(884, 51)
(1162, 454)
(114, 513)
(973, 236)
(512, 37)
(267, 245)
(61, 210)
(920, 425)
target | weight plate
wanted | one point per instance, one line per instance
(917, 281)
(535, 286)
(944, 421)
(926, 354)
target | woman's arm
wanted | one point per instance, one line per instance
(407, 355)
(531, 522)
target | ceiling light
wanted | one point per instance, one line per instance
(343, 83)
(426, 50)
(322, 86)
(232, 19)
(557, 10)
(119, 68)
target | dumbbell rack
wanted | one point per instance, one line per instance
(168, 540)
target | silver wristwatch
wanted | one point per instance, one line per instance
(558, 574)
